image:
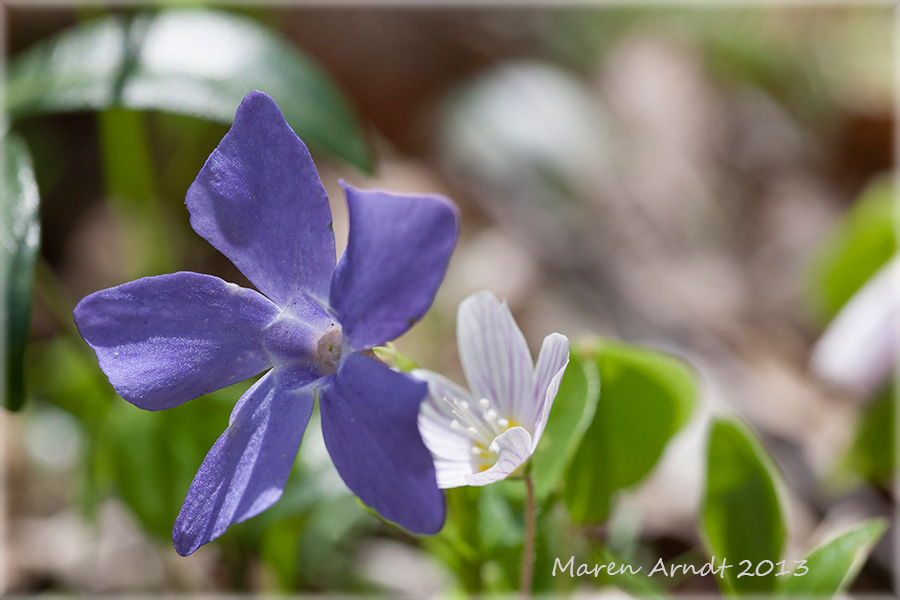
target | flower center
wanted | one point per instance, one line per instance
(328, 350)
(482, 424)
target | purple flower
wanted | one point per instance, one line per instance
(165, 340)
(485, 436)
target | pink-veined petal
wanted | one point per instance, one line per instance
(513, 447)
(435, 417)
(551, 365)
(494, 355)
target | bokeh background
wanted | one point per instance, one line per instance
(714, 182)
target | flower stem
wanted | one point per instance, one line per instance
(527, 574)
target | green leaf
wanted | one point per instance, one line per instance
(21, 240)
(741, 515)
(871, 455)
(156, 454)
(193, 62)
(309, 551)
(835, 564)
(388, 355)
(645, 397)
(569, 418)
(128, 172)
(861, 244)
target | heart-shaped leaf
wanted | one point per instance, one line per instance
(645, 397)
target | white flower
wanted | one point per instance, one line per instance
(859, 349)
(481, 437)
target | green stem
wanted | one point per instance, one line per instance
(527, 574)
(50, 290)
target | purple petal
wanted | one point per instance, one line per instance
(369, 424)
(397, 253)
(495, 356)
(168, 339)
(292, 340)
(246, 469)
(259, 201)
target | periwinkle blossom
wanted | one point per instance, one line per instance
(168, 339)
(484, 435)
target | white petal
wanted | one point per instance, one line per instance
(513, 447)
(439, 387)
(860, 347)
(551, 365)
(451, 473)
(435, 417)
(494, 353)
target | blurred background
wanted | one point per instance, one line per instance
(713, 182)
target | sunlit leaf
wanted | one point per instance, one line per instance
(569, 417)
(193, 62)
(645, 397)
(862, 243)
(831, 567)
(742, 517)
(21, 239)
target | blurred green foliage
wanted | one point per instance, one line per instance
(743, 519)
(864, 241)
(645, 397)
(738, 44)
(196, 62)
(742, 515)
(21, 234)
(833, 565)
(871, 455)
(161, 451)
(570, 416)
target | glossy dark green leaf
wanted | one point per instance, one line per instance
(742, 517)
(861, 244)
(21, 240)
(193, 62)
(645, 397)
(833, 566)
(568, 420)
